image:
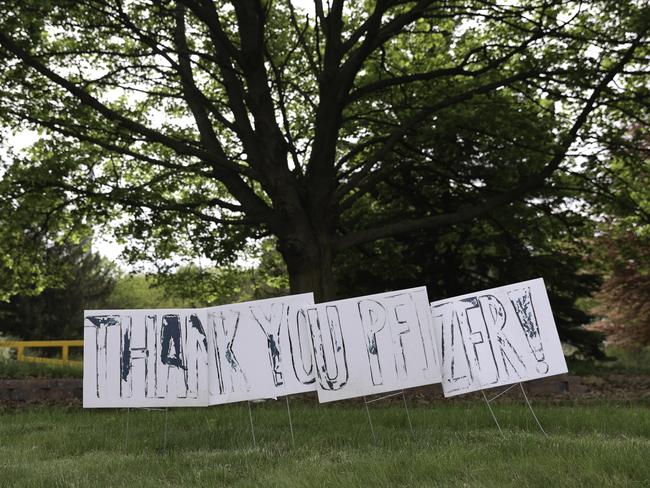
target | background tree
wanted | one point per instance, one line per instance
(264, 275)
(621, 250)
(84, 282)
(622, 303)
(544, 236)
(38, 229)
(212, 122)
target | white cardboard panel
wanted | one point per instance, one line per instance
(145, 358)
(497, 337)
(373, 344)
(259, 349)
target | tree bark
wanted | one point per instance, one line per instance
(309, 261)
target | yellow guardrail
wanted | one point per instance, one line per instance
(21, 346)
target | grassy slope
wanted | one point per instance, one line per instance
(620, 362)
(12, 369)
(456, 445)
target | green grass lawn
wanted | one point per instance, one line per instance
(456, 444)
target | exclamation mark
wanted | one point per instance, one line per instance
(523, 304)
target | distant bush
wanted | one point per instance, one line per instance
(7, 353)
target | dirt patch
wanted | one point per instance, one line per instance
(567, 387)
(60, 391)
(623, 387)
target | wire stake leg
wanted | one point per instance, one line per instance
(492, 412)
(531, 410)
(372, 430)
(293, 440)
(250, 416)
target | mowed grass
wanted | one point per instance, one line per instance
(456, 444)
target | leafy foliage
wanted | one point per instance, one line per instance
(57, 311)
(623, 302)
(133, 291)
(38, 226)
(541, 237)
(502, 250)
(621, 251)
(265, 276)
(210, 122)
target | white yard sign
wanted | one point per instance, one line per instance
(260, 349)
(373, 344)
(497, 337)
(145, 358)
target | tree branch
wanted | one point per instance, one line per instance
(364, 174)
(225, 170)
(88, 100)
(526, 186)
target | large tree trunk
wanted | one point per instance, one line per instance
(309, 263)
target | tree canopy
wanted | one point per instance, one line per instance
(85, 280)
(212, 122)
